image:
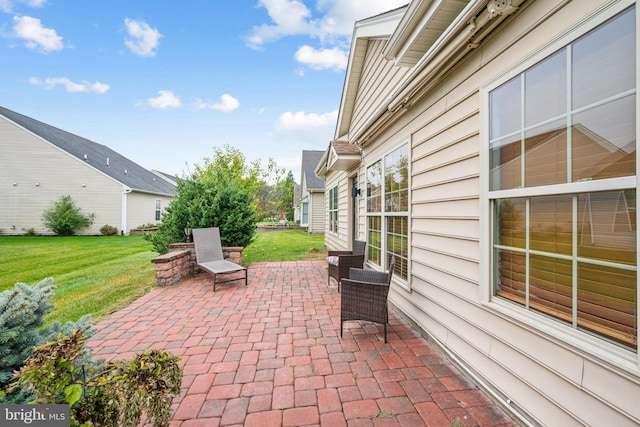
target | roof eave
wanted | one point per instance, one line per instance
(376, 27)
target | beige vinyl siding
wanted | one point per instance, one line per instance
(28, 160)
(553, 382)
(141, 209)
(379, 77)
(317, 212)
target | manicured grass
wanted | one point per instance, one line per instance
(98, 275)
(284, 245)
(93, 275)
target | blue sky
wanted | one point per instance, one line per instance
(163, 81)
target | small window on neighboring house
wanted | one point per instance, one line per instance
(158, 209)
(305, 213)
(562, 185)
(333, 210)
(388, 210)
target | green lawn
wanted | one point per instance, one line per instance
(284, 245)
(95, 275)
(98, 275)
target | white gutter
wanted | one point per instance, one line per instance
(455, 41)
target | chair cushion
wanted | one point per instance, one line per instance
(333, 260)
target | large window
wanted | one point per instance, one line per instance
(333, 209)
(388, 210)
(562, 184)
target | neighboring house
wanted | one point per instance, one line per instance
(498, 165)
(41, 163)
(171, 179)
(312, 203)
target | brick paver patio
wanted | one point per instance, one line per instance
(269, 354)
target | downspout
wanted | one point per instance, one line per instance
(435, 61)
(123, 220)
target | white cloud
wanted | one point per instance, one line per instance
(35, 35)
(333, 23)
(304, 127)
(227, 104)
(340, 15)
(288, 17)
(7, 5)
(322, 59)
(165, 99)
(70, 86)
(143, 39)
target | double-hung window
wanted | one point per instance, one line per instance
(562, 184)
(333, 209)
(388, 210)
(158, 210)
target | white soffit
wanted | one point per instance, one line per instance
(422, 25)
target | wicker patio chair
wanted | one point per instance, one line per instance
(364, 296)
(209, 255)
(339, 262)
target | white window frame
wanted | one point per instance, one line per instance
(158, 210)
(625, 359)
(304, 213)
(384, 215)
(333, 211)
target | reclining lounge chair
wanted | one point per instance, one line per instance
(209, 255)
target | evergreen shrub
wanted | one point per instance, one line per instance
(202, 203)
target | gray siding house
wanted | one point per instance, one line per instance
(312, 203)
(498, 165)
(41, 163)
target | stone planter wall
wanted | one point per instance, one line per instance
(180, 262)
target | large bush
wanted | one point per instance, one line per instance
(203, 202)
(64, 218)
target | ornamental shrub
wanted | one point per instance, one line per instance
(53, 365)
(108, 230)
(203, 202)
(112, 394)
(64, 218)
(22, 317)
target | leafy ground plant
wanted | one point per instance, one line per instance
(114, 394)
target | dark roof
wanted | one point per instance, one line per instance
(310, 159)
(95, 155)
(173, 179)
